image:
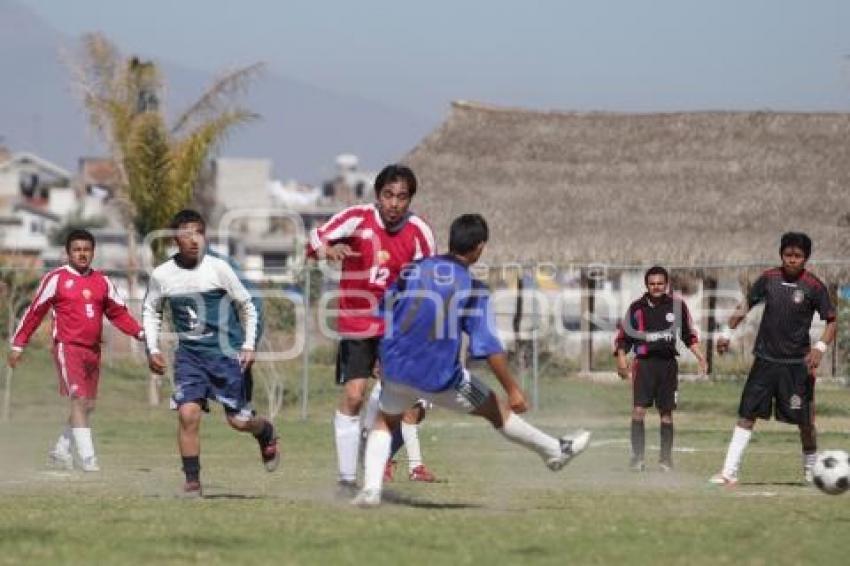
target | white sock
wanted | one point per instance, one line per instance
(377, 452)
(740, 439)
(347, 435)
(372, 407)
(809, 460)
(82, 438)
(410, 433)
(63, 443)
(519, 431)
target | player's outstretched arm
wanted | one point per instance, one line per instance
(152, 322)
(41, 304)
(499, 365)
(14, 358)
(115, 309)
(818, 349)
(623, 369)
(725, 337)
(701, 361)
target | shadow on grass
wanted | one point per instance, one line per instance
(236, 496)
(398, 499)
(772, 483)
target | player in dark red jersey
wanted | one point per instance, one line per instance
(650, 328)
(782, 380)
(373, 242)
(79, 297)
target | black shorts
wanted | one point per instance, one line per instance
(356, 359)
(785, 390)
(656, 382)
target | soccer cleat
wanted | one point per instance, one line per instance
(346, 489)
(389, 470)
(665, 466)
(421, 473)
(270, 454)
(367, 498)
(191, 490)
(724, 480)
(60, 460)
(571, 446)
(637, 465)
(89, 464)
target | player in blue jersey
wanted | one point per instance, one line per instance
(217, 326)
(431, 305)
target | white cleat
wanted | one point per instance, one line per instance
(367, 498)
(724, 480)
(808, 475)
(571, 446)
(90, 464)
(60, 460)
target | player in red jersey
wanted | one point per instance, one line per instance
(373, 242)
(78, 297)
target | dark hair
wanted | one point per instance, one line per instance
(466, 232)
(796, 240)
(78, 234)
(187, 216)
(393, 173)
(655, 270)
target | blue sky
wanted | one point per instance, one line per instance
(417, 56)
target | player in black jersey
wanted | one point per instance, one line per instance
(782, 381)
(650, 328)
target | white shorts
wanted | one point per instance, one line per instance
(467, 395)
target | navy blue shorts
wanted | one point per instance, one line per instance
(198, 378)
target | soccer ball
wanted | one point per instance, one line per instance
(832, 471)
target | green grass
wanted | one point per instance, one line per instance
(495, 505)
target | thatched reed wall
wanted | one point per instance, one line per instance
(685, 189)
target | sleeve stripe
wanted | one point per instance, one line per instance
(344, 230)
(113, 293)
(44, 294)
(427, 233)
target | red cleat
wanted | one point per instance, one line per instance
(270, 454)
(421, 473)
(192, 490)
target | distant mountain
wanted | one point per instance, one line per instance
(302, 130)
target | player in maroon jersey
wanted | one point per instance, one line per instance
(782, 379)
(78, 297)
(373, 242)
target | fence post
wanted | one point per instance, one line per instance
(305, 369)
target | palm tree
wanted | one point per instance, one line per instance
(158, 164)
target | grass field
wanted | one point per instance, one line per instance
(496, 504)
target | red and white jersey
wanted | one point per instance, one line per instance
(382, 254)
(78, 302)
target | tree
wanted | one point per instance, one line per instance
(158, 165)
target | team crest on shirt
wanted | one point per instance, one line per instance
(670, 317)
(383, 256)
(86, 294)
(798, 296)
(69, 283)
(796, 402)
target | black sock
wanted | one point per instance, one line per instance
(192, 468)
(666, 443)
(397, 442)
(265, 436)
(638, 440)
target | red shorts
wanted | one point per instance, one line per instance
(78, 369)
